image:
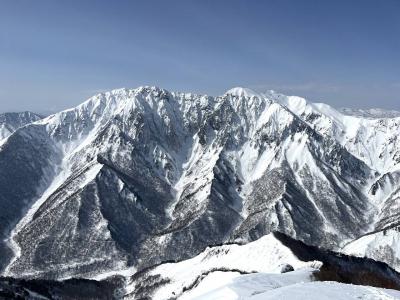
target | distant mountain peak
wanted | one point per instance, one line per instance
(11, 121)
(371, 113)
(242, 92)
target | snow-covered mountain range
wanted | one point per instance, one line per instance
(135, 177)
(9, 122)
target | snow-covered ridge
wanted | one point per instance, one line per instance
(372, 140)
(379, 148)
(242, 92)
(239, 166)
(370, 135)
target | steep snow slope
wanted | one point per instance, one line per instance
(374, 141)
(9, 122)
(132, 178)
(373, 137)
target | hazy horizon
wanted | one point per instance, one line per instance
(47, 112)
(55, 55)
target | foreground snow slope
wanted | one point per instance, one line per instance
(288, 286)
(264, 269)
(266, 255)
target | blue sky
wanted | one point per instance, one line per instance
(55, 54)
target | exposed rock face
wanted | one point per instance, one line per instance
(138, 177)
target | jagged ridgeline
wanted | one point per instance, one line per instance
(133, 178)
